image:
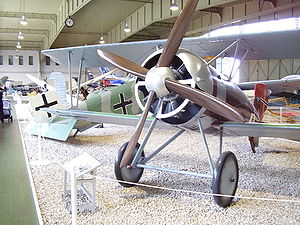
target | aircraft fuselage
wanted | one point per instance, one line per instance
(194, 71)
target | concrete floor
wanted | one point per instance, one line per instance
(16, 199)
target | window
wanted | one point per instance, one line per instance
(20, 60)
(56, 64)
(30, 60)
(1, 59)
(47, 61)
(10, 60)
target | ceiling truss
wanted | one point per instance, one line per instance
(29, 15)
(25, 31)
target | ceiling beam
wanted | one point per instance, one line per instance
(145, 1)
(81, 33)
(24, 44)
(162, 25)
(142, 37)
(28, 15)
(23, 48)
(217, 10)
(25, 31)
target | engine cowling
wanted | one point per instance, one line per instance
(176, 109)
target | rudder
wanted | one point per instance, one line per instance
(261, 94)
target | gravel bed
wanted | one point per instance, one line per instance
(273, 172)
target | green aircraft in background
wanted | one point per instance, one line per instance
(120, 100)
(116, 105)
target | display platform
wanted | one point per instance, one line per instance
(272, 173)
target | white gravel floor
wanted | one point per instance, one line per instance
(273, 172)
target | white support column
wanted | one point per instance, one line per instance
(74, 196)
(40, 161)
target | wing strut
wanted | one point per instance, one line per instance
(79, 81)
(222, 52)
(70, 77)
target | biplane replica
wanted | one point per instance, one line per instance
(177, 87)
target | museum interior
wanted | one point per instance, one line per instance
(149, 112)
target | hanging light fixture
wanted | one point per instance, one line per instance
(126, 28)
(18, 45)
(22, 8)
(173, 6)
(20, 36)
(23, 21)
(101, 41)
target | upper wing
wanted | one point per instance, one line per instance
(101, 117)
(287, 131)
(261, 46)
(288, 83)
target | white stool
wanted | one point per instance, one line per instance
(80, 169)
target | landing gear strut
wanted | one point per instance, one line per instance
(224, 173)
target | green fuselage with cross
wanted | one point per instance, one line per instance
(120, 100)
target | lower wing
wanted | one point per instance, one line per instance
(101, 117)
(287, 131)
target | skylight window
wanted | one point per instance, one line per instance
(260, 27)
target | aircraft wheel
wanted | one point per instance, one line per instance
(225, 178)
(125, 173)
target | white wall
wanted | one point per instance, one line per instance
(17, 72)
(39, 69)
(253, 70)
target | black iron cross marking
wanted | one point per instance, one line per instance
(46, 104)
(123, 103)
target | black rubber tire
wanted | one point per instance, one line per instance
(225, 179)
(127, 174)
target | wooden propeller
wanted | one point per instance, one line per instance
(198, 97)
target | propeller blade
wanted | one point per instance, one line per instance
(179, 29)
(134, 139)
(206, 100)
(123, 64)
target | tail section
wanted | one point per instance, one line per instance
(261, 99)
(48, 125)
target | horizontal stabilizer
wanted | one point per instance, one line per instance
(59, 128)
